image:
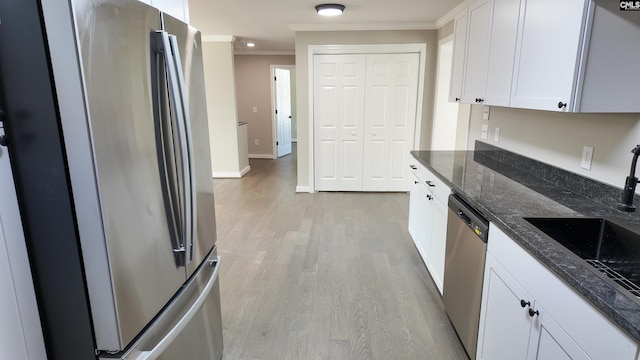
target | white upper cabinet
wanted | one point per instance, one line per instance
(547, 62)
(569, 56)
(475, 65)
(459, 47)
(502, 50)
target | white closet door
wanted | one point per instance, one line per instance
(390, 114)
(338, 112)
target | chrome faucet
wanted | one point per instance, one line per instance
(630, 184)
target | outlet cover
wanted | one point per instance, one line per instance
(496, 136)
(485, 131)
(587, 157)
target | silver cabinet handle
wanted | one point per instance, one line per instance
(164, 343)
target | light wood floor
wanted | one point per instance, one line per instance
(322, 276)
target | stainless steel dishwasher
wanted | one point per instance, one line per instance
(464, 269)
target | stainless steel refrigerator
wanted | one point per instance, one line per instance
(140, 269)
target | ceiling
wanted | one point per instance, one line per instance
(271, 24)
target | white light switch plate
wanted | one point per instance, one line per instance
(485, 112)
(485, 131)
(587, 157)
(496, 136)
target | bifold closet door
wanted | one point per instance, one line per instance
(338, 115)
(391, 94)
(364, 109)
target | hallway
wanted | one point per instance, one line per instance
(323, 275)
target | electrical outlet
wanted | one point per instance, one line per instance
(256, 142)
(587, 157)
(485, 112)
(496, 136)
(485, 131)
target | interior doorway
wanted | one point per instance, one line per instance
(283, 111)
(450, 120)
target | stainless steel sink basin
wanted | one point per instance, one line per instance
(610, 248)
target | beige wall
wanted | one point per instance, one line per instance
(221, 107)
(558, 138)
(254, 82)
(304, 39)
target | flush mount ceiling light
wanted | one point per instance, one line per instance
(329, 9)
(250, 44)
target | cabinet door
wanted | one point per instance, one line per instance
(438, 243)
(505, 325)
(505, 15)
(425, 222)
(475, 67)
(459, 47)
(550, 42)
(549, 341)
(414, 207)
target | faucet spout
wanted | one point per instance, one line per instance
(630, 184)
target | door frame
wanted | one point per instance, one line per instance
(419, 48)
(274, 120)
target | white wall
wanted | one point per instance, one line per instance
(558, 139)
(221, 107)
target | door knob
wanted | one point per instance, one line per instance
(562, 105)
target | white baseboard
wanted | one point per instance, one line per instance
(245, 171)
(226, 175)
(261, 156)
(303, 189)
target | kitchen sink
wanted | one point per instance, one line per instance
(608, 247)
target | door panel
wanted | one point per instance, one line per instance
(116, 58)
(390, 113)
(283, 112)
(338, 121)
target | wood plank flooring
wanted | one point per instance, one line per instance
(322, 276)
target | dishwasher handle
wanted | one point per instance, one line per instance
(470, 216)
(464, 217)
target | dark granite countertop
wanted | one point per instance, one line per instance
(506, 187)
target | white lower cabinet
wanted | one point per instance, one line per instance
(529, 313)
(428, 220)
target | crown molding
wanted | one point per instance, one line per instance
(451, 14)
(363, 27)
(219, 38)
(264, 52)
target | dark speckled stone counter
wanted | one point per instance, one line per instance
(506, 187)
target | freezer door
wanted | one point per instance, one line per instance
(190, 49)
(130, 266)
(190, 327)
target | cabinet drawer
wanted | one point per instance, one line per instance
(435, 185)
(572, 312)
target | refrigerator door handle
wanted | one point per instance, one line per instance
(168, 144)
(174, 73)
(190, 175)
(164, 343)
